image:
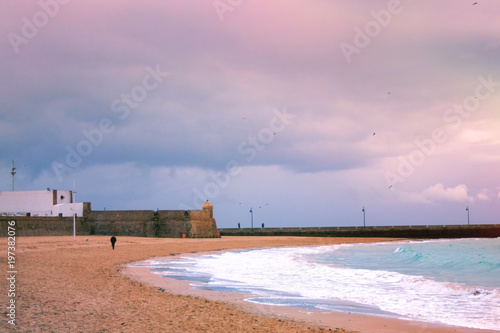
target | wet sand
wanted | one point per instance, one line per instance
(64, 285)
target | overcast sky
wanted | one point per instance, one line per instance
(305, 110)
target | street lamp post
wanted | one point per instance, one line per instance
(251, 216)
(73, 198)
(364, 224)
(468, 215)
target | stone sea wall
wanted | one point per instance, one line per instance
(141, 223)
(420, 231)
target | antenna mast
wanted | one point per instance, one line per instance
(13, 172)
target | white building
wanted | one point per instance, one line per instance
(39, 203)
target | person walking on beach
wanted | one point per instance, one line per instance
(113, 241)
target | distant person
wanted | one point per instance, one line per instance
(262, 225)
(113, 241)
(239, 225)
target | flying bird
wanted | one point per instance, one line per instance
(475, 3)
(390, 186)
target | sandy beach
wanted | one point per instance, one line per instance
(63, 285)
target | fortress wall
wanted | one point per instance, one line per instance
(128, 215)
(44, 226)
(172, 223)
(141, 223)
(173, 228)
(180, 215)
(198, 223)
(203, 225)
(121, 222)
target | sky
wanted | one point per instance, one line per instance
(304, 111)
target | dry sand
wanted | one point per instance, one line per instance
(64, 285)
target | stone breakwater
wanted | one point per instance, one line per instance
(417, 231)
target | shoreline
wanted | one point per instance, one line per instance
(68, 285)
(330, 320)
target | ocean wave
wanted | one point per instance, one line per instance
(308, 273)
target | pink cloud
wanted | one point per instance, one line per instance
(439, 192)
(484, 195)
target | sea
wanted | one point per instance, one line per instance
(449, 281)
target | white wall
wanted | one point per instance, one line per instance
(37, 203)
(67, 209)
